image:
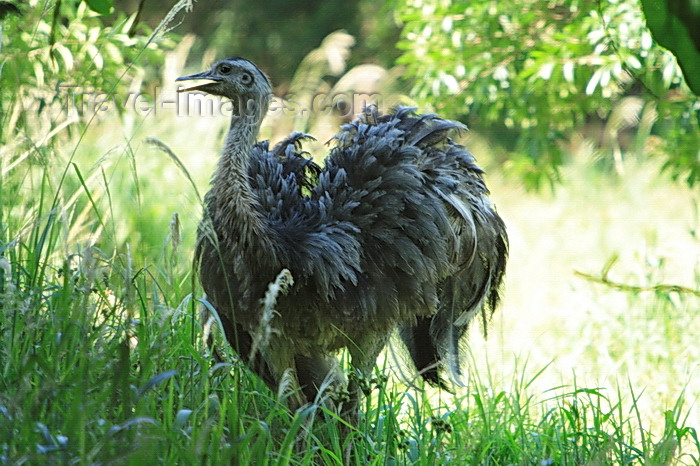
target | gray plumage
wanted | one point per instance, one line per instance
(394, 232)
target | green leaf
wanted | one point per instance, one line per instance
(102, 7)
(674, 25)
(7, 8)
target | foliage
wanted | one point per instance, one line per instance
(531, 73)
(61, 67)
(278, 34)
(102, 7)
(674, 24)
(59, 55)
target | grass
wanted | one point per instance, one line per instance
(102, 361)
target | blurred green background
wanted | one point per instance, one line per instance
(587, 126)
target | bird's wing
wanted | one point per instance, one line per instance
(283, 175)
(479, 248)
(373, 180)
(297, 161)
(467, 242)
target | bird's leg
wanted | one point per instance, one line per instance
(363, 357)
(280, 359)
(319, 377)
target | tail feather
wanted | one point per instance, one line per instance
(297, 161)
(422, 350)
(479, 248)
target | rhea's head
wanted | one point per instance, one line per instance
(233, 78)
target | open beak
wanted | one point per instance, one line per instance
(201, 87)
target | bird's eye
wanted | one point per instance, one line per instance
(246, 78)
(225, 69)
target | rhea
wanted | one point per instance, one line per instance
(394, 233)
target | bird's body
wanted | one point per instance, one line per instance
(394, 232)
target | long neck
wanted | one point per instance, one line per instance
(239, 207)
